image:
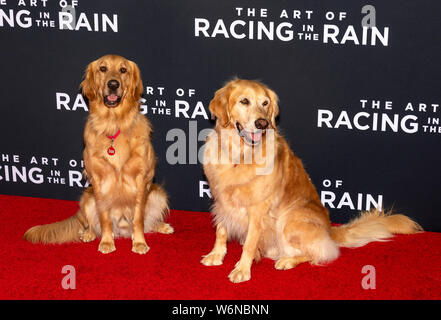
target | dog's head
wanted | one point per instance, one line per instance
(112, 79)
(249, 107)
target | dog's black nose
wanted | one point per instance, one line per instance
(261, 124)
(113, 84)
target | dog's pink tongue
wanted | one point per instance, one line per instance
(256, 136)
(112, 97)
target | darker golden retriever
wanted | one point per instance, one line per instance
(119, 161)
(276, 212)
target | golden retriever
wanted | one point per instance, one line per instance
(275, 213)
(119, 161)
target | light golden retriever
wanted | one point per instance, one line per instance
(120, 163)
(277, 213)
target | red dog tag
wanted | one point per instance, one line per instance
(111, 151)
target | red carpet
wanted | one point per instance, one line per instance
(409, 267)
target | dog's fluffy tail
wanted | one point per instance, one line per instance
(374, 225)
(59, 232)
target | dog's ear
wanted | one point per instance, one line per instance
(136, 87)
(219, 105)
(274, 106)
(88, 86)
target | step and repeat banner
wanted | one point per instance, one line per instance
(359, 87)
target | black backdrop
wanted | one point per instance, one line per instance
(397, 167)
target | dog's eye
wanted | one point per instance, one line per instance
(103, 69)
(123, 70)
(265, 103)
(245, 101)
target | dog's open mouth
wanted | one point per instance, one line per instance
(251, 138)
(112, 100)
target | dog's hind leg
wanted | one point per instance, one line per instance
(286, 263)
(156, 210)
(304, 237)
(163, 228)
(88, 216)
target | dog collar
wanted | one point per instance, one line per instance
(111, 150)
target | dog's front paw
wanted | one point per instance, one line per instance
(140, 247)
(212, 259)
(106, 247)
(240, 275)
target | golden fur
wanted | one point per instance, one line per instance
(279, 214)
(122, 200)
